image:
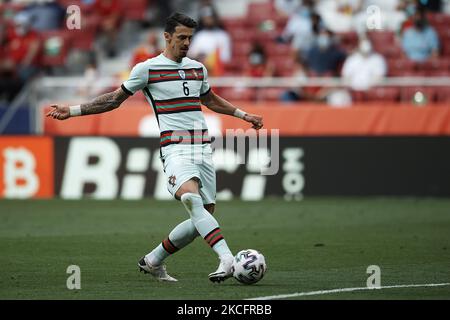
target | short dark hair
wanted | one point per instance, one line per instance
(176, 19)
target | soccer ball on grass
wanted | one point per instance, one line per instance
(249, 266)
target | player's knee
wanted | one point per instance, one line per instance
(190, 186)
(210, 207)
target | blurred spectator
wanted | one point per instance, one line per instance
(296, 94)
(20, 59)
(22, 48)
(45, 15)
(258, 64)
(364, 68)
(286, 7)
(302, 28)
(91, 77)
(325, 57)
(110, 19)
(147, 50)
(420, 42)
(211, 44)
(206, 7)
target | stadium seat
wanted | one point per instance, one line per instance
(348, 40)
(232, 24)
(381, 39)
(257, 12)
(383, 94)
(241, 48)
(442, 94)
(282, 64)
(433, 66)
(241, 35)
(401, 67)
(269, 94)
(278, 50)
(135, 10)
(238, 94)
(438, 19)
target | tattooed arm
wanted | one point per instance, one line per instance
(104, 103)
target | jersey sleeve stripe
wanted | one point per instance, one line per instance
(128, 92)
(207, 91)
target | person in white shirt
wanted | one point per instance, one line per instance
(364, 68)
(207, 40)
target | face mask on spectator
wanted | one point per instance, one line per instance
(323, 41)
(365, 47)
(256, 58)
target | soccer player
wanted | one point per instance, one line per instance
(175, 86)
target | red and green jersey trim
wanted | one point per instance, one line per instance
(184, 137)
(162, 75)
(176, 105)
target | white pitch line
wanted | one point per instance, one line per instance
(320, 292)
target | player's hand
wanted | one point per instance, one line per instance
(59, 112)
(254, 119)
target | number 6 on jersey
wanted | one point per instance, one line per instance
(185, 88)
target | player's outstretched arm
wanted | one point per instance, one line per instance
(220, 105)
(104, 103)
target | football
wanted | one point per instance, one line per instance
(249, 266)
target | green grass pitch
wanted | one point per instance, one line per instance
(315, 244)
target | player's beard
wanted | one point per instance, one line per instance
(183, 53)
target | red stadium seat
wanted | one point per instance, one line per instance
(269, 94)
(278, 50)
(135, 9)
(348, 40)
(400, 67)
(282, 64)
(438, 19)
(260, 11)
(381, 39)
(241, 48)
(383, 94)
(238, 94)
(434, 66)
(241, 35)
(442, 94)
(231, 24)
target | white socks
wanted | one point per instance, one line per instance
(206, 225)
(201, 223)
(179, 237)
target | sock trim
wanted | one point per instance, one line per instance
(169, 246)
(213, 237)
(211, 233)
(216, 239)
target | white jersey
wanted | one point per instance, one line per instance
(173, 90)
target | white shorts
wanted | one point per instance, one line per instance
(184, 162)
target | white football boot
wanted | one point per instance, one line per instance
(224, 271)
(159, 272)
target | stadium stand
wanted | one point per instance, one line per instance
(260, 23)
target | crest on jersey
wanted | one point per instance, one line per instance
(172, 180)
(182, 74)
